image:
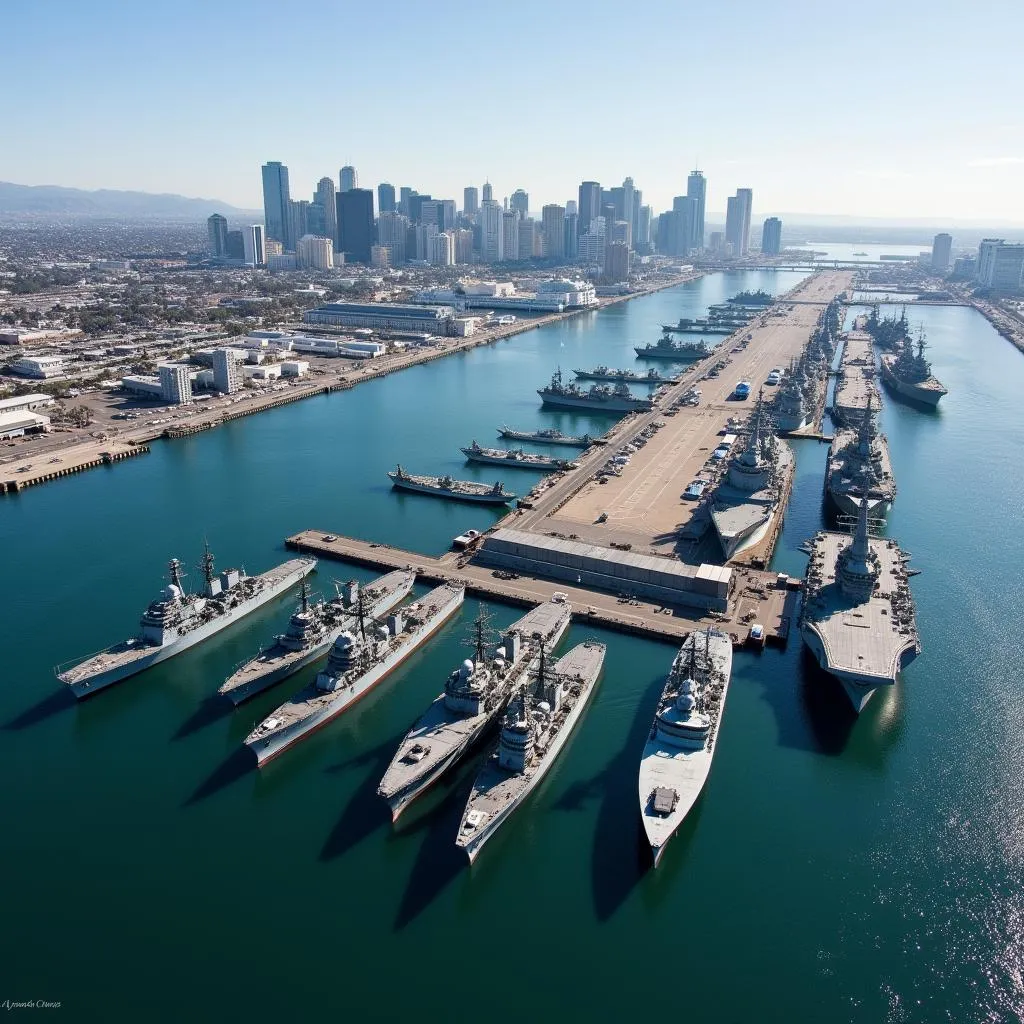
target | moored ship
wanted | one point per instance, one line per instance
(910, 374)
(538, 722)
(598, 398)
(312, 630)
(549, 436)
(515, 457)
(680, 352)
(448, 487)
(474, 695)
(177, 620)
(859, 469)
(677, 756)
(358, 662)
(628, 376)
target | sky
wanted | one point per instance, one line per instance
(872, 109)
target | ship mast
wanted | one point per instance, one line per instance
(208, 569)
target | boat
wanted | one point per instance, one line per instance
(177, 620)
(859, 469)
(910, 375)
(858, 615)
(539, 720)
(749, 498)
(860, 254)
(597, 398)
(515, 457)
(708, 326)
(448, 487)
(677, 757)
(749, 298)
(549, 436)
(359, 661)
(463, 540)
(629, 376)
(789, 409)
(312, 630)
(680, 352)
(474, 697)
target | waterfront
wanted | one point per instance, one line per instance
(844, 869)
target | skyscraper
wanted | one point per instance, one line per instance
(491, 224)
(355, 224)
(470, 200)
(571, 239)
(737, 220)
(275, 201)
(553, 220)
(314, 253)
(385, 197)
(217, 231)
(488, 192)
(404, 195)
(589, 204)
(642, 239)
(347, 178)
(520, 203)
(253, 251)
(392, 229)
(697, 190)
(941, 248)
(628, 197)
(616, 261)
(324, 197)
(771, 237)
(680, 227)
(298, 220)
(510, 235)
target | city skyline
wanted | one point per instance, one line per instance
(897, 142)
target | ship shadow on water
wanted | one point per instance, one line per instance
(238, 764)
(52, 704)
(212, 709)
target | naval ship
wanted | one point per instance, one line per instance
(312, 630)
(539, 720)
(597, 398)
(859, 469)
(176, 620)
(549, 436)
(666, 348)
(474, 696)
(858, 613)
(357, 662)
(448, 487)
(628, 376)
(910, 375)
(750, 497)
(709, 326)
(677, 756)
(790, 410)
(514, 457)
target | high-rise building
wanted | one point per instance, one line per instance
(227, 377)
(716, 242)
(628, 198)
(619, 231)
(589, 204)
(678, 229)
(175, 383)
(234, 247)
(380, 256)
(697, 190)
(313, 252)
(325, 198)
(441, 249)
(1000, 265)
(347, 178)
(416, 201)
(529, 238)
(298, 221)
(491, 232)
(553, 219)
(253, 251)
(942, 247)
(217, 233)
(616, 261)
(275, 201)
(592, 244)
(510, 235)
(571, 240)
(746, 197)
(520, 202)
(572, 208)
(771, 237)
(488, 192)
(463, 245)
(385, 197)
(355, 224)
(642, 241)
(392, 229)
(470, 200)
(737, 220)
(404, 195)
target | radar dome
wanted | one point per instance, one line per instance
(467, 668)
(170, 593)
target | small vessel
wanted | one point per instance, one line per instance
(858, 614)
(358, 662)
(311, 632)
(910, 375)
(678, 753)
(177, 620)
(515, 457)
(597, 398)
(629, 376)
(859, 469)
(538, 722)
(473, 698)
(448, 487)
(749, 298)
(680, 352)
(549, 436)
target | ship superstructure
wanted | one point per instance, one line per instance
(448, 487)
(859, 469)
(516, 458)
(629, 376)
(549, 436)
(909, 374)
(474, 696)
(677, 757)
(597, 398)
(539, 720)
(680, 352)
(177, 620)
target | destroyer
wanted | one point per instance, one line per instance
(680, 352)
(474, 696)
(515, 457)
(550, 436)
(357, 662)
(859, 464)
(597, 398)
(312, 630)
(628, 376)
(858, 614)
(539, 720)
(448, 487)
(910, 375)
(176, 620)
(677, 757)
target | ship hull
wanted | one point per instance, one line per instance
(928, 397)
(565, 442)
(90, 685)
(789, 424)
(736, 544)
(675, 357)
(544, 466)
(613, 407)
(267, 749)
(847, 505)
(476, 499)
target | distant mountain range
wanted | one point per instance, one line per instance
(56, 201)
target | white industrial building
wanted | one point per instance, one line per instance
(21, 422)
(294, 368)
(39, 367)
(25, 403)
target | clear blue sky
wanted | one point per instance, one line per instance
(867, 108)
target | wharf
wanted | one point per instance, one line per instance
(82, 457)
(755, 597)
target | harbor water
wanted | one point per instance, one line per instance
(838, 868)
